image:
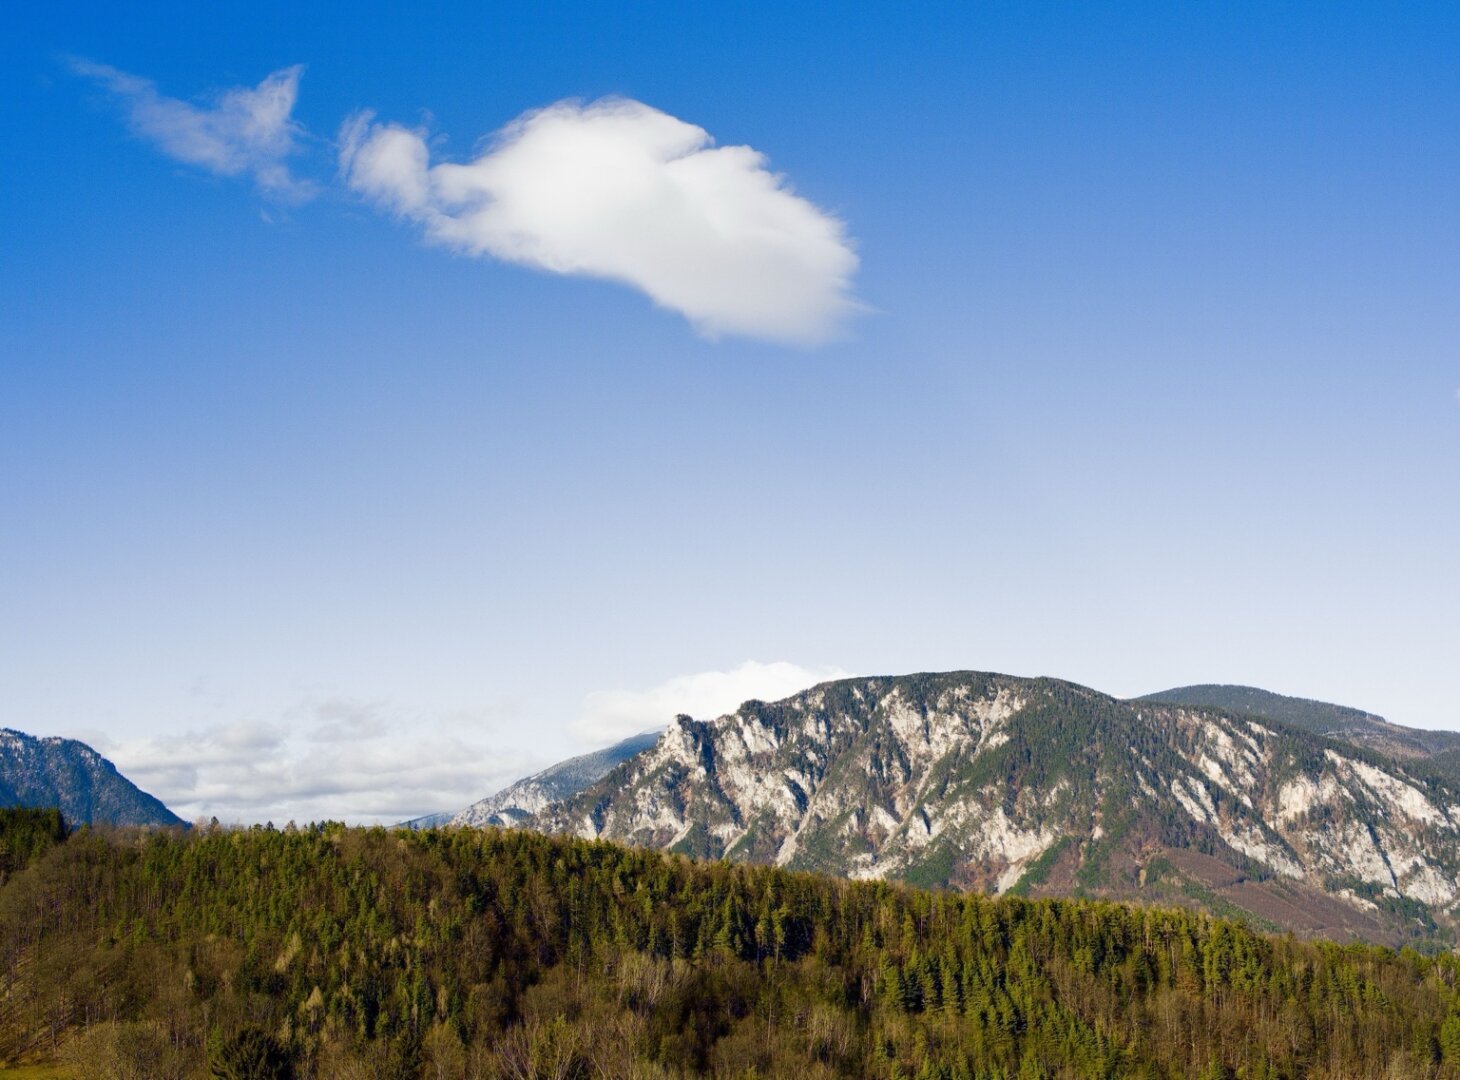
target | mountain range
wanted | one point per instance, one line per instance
(971, 780)
(1294, 814)
(517, 802)
(64, 773)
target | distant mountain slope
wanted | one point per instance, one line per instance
(1319, 717)
(1038, 786)
(72, 776)
(533, 793)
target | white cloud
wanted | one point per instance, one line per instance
(243, 131)
(618, 190)
(371, 762)
(335, 759)
(610, 715)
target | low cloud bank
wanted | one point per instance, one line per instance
(371, 762)
(330, 760)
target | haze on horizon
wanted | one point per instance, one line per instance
(391, 406)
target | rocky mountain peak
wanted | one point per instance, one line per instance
(972, 779)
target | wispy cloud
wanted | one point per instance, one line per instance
(336, 759)
(241, 131)
(610, 715)
(613, 189)
(618, 190)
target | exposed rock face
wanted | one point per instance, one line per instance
(996, 783)
(72, 776)
(533, 794)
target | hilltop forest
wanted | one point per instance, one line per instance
(340, 952)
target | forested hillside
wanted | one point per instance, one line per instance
(25, 834)
(1319, 717)
(336, 952)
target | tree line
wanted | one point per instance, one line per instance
(342, 952)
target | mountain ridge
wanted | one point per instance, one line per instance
(531, 794)
(52, 771)
(1319, 717)
(999, 783)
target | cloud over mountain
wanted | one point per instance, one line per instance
(618, 190)
(609, 715)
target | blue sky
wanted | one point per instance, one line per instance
(1154, 382)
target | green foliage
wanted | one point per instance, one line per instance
(250, 1054)
(1319, 717)
(933, 871)
(1209, 900)
(1036, 872)
(26, 832)
(334, 952)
